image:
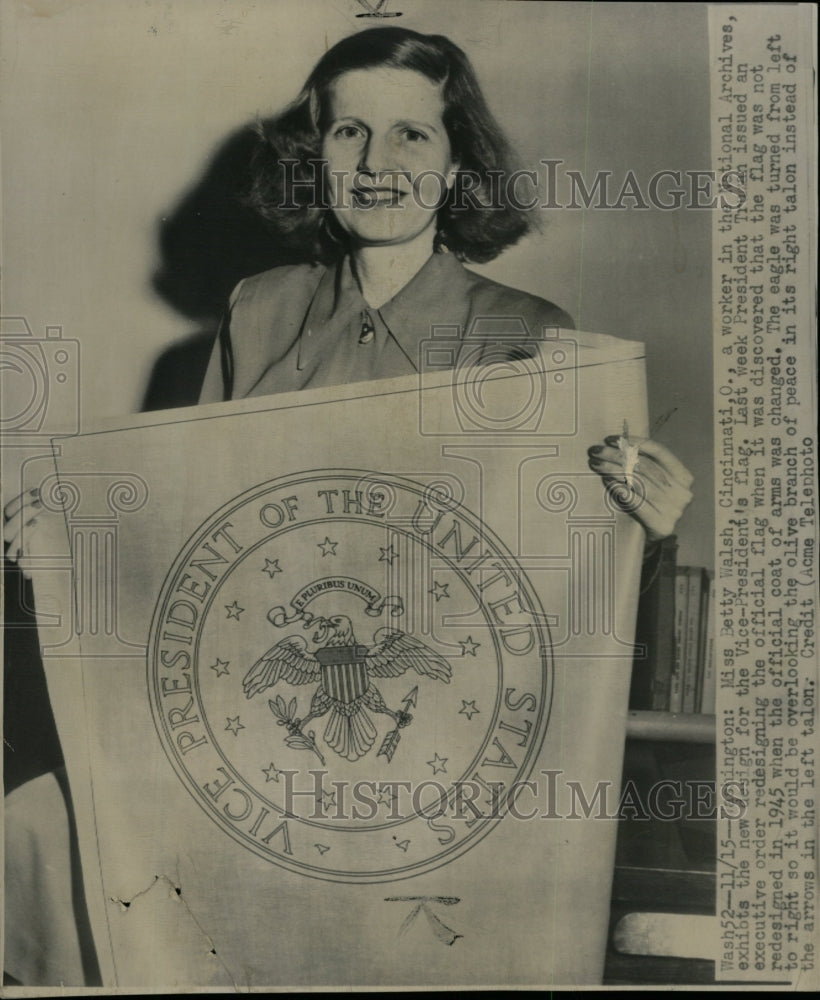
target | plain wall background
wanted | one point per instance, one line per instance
(114, 109)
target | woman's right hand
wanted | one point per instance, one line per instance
(31, 531)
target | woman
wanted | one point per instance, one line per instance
(383, 175)
(406, 191)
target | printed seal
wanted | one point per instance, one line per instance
(350, 674)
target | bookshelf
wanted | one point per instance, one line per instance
(673, 672)
(665, 868)
(671, 727)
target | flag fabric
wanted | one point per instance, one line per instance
(487, 587)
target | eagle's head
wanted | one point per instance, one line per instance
(334, 631)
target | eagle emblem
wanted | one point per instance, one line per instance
(343, 671)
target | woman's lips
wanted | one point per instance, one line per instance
(367, 197)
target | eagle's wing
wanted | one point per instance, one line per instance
(397, 651)
(288, 660)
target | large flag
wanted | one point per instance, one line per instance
(341, 677)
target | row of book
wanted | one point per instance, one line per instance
(674, 666)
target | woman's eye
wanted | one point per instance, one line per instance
(413, 135)
(348, 132)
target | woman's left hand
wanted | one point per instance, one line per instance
(658, 483)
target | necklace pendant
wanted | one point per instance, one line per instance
(368, 331)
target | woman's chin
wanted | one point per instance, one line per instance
(381, 227)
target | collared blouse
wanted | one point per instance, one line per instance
(308, 326)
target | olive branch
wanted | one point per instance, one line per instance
(285, 716)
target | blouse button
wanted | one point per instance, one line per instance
(368, 331)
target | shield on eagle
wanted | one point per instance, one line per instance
(344, 672)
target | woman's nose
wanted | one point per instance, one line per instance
(377, 155)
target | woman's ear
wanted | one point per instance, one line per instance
(450, 179)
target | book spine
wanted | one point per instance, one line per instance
(708, 698)
(640, 690)
(690, 669)
(681, 597)
(664, 626)
(705, 587)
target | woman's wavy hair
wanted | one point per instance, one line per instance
(286, 176)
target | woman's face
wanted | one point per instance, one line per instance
(388, 154)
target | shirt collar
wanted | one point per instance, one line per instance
(437, 295)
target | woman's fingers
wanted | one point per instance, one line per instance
(644, 492)
(668, 462)
(32, 533)
(655, 462)
(657, 514)
(22, 522)
(606, 453)
(20, 516)
(19, 543)
(31, 498)
(650, 484)
(657, 456)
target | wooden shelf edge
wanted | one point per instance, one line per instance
(670, 727)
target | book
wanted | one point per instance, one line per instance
(709, 690)
(694, 583)
(655, 630)
(681, 607)
(664, 629)
(705, 589)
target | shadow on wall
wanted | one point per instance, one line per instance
(208, 243)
